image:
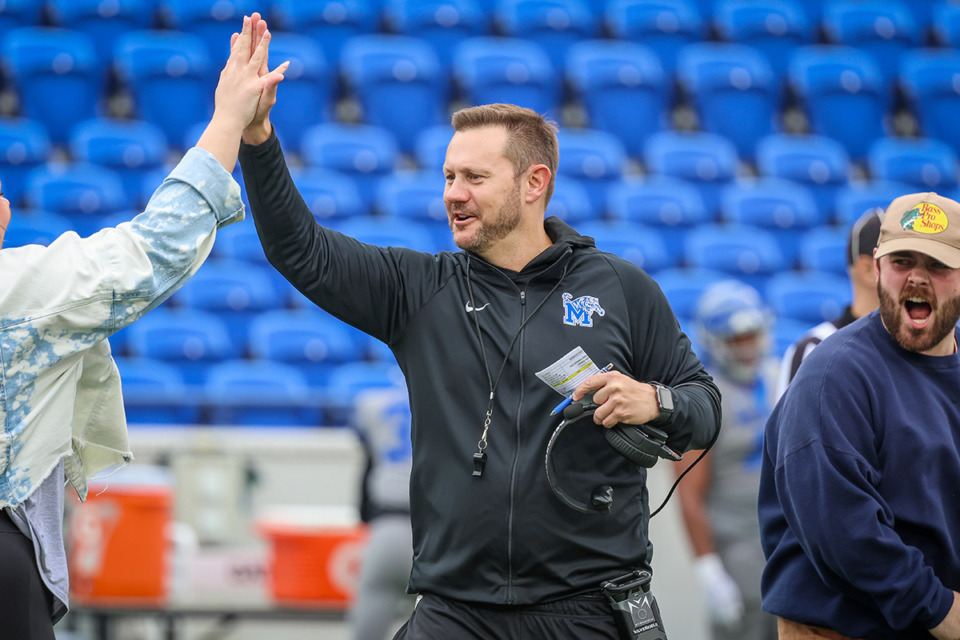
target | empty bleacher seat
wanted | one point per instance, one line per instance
(925, 164)
(498, 69)
(945, 24)
(309, 86)
(663, 25)
(154, 393)
(212, 21)
(706, 160)
(824, 249)
(328, 22)
(882, 28)
(257, 392)
(842, 93)
(399, 83)
(597, 159)
(169, 75)
(430, 148)
(349, 379)
(363, 152)
(134, 149)
(856, 198)
(571, 202)
(24, 146)
(440, 23)
(82, 192)
(809, 296)
(930, 79)
(388, 232)
(785, 209)
(416, 195)
(103, 20)
(818, 162)
(672, 206)
(745, 252)
(329, 194)
(57, 76)
(35, 227)
(684, 286)
(20, 13)
(774, 27)
(553, 24)
(733, 90)
(631, 241)
(622, 87)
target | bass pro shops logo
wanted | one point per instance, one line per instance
(579, 312)
(925, 218)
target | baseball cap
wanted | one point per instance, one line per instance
(924, 222)
(864, 235)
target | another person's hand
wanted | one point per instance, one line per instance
(260, 128)
(242, 81)
(621, 399)
(721, 595)
(4, 216)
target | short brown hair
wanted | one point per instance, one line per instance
(531, 138)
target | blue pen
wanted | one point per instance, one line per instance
(568, 400)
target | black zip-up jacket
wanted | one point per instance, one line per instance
(503, 538)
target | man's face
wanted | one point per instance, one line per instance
(919, 301)
(481, 195)
(4, 215)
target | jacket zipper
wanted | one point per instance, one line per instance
(516, 457)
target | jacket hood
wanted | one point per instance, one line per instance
(563, 234)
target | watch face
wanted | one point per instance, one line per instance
(665, 398)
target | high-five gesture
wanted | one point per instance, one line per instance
(259, 129)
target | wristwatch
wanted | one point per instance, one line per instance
(664, 401)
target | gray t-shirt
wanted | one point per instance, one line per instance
(40, 518)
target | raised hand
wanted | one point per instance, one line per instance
(260, 127)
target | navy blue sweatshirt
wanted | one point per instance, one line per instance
(860, 488)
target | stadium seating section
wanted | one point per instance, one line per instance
(699, 139)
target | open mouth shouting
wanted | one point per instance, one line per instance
(918, 311)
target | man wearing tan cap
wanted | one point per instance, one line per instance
(860, 484)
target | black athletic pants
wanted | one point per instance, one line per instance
(587, 617)
(25, 602)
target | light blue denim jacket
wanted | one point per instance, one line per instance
(60, 395)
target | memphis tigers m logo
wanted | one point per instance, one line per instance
(579, 312)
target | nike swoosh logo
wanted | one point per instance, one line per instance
(470, 307)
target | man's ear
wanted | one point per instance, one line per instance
(537, 181)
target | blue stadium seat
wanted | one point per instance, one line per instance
(553, 24)
(309, 339)
(389, 232)
(416, 195)
(923, 163)
(785, 209)
(684, 286)
(363, 152)
(672, 206)
(83, 193)
(328, 22)
(746, 252)
(169, 75)
(154, 393)
(882, 28)
(929, 81)
(103, 20)
(824, 249)
(571, 202)
(809, 296)
(856, 198)
(262, 393)
(35, 227)
(399, 82)
(774, 27)
(818, 162)
(498, 69)
(430, 148)
(57, 76)
(212, 21)
(134, 149)
(843, 94)
(706, 160)
(440, 23)
(24, 146)
(349, 379)
(945, 25)
(189, 339)
(733, 90)
(622, 87)
(330, 194)
(233, 290)
(20, 13)
(597, 159)
(786, 331)
(663, 25)
(309, 86)
(631, 241)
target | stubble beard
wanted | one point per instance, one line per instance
(945, 320)
(490, 232)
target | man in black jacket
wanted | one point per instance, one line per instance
(496, 553)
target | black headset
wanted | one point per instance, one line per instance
(642, 445)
